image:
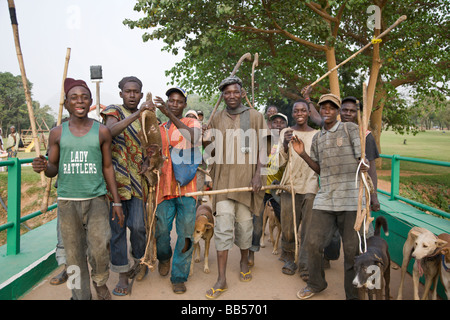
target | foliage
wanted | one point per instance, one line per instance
(13, 108)
(292, 38)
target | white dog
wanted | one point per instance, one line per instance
(424, 247)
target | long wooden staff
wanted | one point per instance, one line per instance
(15, 28)
(385, 32)
(241, 189)
(44, 205)
(246, 56)
(294, 214)
(363, 213)
(255, 64)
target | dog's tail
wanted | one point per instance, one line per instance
(381, 222)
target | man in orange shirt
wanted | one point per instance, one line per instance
(181, 133)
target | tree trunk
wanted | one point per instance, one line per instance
(376, 118)
(333, 77)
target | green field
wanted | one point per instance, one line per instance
(433, 145)
(428, 184)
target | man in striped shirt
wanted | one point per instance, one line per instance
(335, 154)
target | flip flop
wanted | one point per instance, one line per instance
(246, 277)
(289, 268)
(120, 291)
(60, 278)
(215, 293)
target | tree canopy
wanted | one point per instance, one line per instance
(298, 41)
(13, 108)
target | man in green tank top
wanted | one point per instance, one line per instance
(79, 152)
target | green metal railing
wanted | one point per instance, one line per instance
(395, 182)
(14, 198)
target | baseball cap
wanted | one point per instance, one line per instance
(331, 98)
(279, 115)
(177, 89)
(192, 112)
(354, 100)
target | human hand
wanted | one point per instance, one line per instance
(298, 145)
(162, 105)
(39, 164)
(117, 212)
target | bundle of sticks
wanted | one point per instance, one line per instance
(363, 214)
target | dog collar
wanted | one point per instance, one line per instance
(444, 265)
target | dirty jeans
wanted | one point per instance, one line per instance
(183, 209)
(321, 230)
(133, 212)
(85, 230)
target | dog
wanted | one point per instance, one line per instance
(422, 245)
(445, 263)
(204, 229)
(376, 259)
(269, 216)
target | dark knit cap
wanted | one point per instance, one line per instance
(129, 79)
(69, 83)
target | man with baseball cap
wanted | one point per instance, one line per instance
(180, 133)
(336, 145)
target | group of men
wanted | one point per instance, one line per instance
(101, 191)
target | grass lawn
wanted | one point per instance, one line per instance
(433, 145)
(428, 184)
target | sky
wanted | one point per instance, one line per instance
(95, 32)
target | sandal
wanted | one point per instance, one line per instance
(215, 293)
(106, 295)
(245, 277)
(305, 293)
(289, 268)
(120, 291)
(60, 278)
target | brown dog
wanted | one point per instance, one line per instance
(269, 215)
(204, 229)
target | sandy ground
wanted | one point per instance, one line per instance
(268, 283)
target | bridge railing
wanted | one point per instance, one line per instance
(14, 218)
(395, 182)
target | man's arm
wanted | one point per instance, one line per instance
(108, 171)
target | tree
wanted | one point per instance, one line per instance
(13, 108)
(298, 41)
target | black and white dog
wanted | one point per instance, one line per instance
(372, 268)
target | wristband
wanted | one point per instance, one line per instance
(116, 204)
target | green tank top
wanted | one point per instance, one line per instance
(80, 173)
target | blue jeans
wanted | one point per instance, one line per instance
(133, 211)
(183, 208)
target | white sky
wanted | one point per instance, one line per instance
(94, 31)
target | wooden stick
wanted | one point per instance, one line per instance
(361, 213)
(294, 214)
(44, 205)
(255, 64)
(246, 56)
(15, 28)
(242, 189)
(399, 20)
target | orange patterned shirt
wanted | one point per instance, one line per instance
(168, 188)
